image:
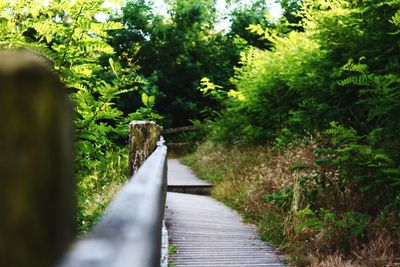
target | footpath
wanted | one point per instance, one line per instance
(207, 233)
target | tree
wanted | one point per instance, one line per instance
(244, 16)
(174, 55)
(291, 10)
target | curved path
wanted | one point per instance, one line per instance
(179, 174)
(207, 233)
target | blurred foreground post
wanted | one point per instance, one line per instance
(36, 176)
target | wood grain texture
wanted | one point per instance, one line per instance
(143, 138)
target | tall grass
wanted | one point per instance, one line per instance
(267, 186)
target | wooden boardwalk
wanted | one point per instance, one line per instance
(207, 233)
(179, 174)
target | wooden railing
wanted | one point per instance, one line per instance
(37, 204)
(179, 129)
(129, 233)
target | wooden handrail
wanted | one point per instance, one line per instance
(129, 233)
(179, 129)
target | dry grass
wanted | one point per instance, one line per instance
(332, 261)
(243, 176)
(379, 252)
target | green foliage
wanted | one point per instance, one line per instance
(283, 198)
(276, 104)
(290, 10)
(97, 185)
(335, 79)
(212, 90)
(243, 17)
(352, 223)
(70, 36)
(172, 250)
(177, 51)
(370, 167)
(173, 53)
(310, 79)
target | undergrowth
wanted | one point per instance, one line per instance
(97, 184)
(300, 206)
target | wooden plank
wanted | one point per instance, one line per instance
(179, 129)
(179, 174)
(190, 189)
(207, 233)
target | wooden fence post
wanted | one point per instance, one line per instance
(36, 176)
(143, 138)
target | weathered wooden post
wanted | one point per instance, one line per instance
(143, 138)
(36, 176)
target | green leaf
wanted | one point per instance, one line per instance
(145, 99)
(111, 62)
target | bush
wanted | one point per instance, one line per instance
(68, 34)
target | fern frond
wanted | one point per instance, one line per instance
(355, 67)
(78, 86)
(46, 30)
(355, 80)
(111, 25)
(82, 70)
(98, 47)
(396, 19)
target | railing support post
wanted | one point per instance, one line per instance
(36, 176)
(143, 138)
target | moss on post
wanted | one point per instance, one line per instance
(36, 176)
(143, 137)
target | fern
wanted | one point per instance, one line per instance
(355, 67)
(355, 80)
(340, 134)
